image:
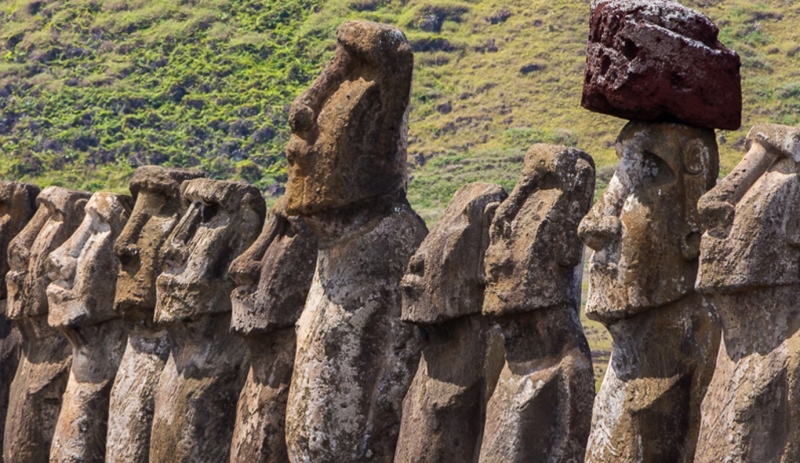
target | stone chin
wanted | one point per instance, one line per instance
(14, 281)
(66, 309)
(179, 301)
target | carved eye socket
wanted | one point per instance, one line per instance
(656, 170)
(208, 211)
(301, 118)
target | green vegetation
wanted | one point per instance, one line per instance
(90, 89)
(93, 88)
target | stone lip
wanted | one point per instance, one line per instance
(659, 61)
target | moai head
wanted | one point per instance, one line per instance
(17, 206)
(59, 213)
(445, 278)
(533, 260)
(349, 129)
(221, 221)
(274, 275)
(156, 211)
(84, 269)
(752, 217)
(645, 229)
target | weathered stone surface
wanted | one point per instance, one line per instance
(35, 397)
(17, 206)
(195, 400)
(540, 408)
(355, 358)
(443, 412)
(656, 60)
(445, 278)
(350, 129)
(157, 210)
(645, 231)
(749, 262)
(273, 277)
(83, 271)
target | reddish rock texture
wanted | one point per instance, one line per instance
(659, 61)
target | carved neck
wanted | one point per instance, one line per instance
(542, 335)
(357, 218)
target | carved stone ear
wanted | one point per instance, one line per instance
(696, 158)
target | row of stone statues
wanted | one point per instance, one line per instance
(184, 323)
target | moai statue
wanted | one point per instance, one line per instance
(273, 278)
(443, 412)
(750, 272)
(541, 406)
(157, 210)
(660, 64)
(83, 272)
(17, 206)
(195, 401)
(347, 177)
(35, 397)
(645, 232)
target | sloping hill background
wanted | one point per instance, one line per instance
(91, 89)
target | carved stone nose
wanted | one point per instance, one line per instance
(599, 234)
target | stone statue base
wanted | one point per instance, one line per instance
(541, 406)
(648, 407)
(36, 392)
(195, 400)
(132, 396)
(259, 435)
(444, 410)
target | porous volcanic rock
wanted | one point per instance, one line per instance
(658, 61)
(347, 174)
(645, 231)
(273, 278)
(540, 407)
(195, 400)
(156, 211)
(83, 271)
(36, 392)
(17, 206)
(750, 272)
(444, 410)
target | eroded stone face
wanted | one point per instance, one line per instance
(273, 275)
(59, 212)
(221, 220)
(443, 412)
(445, 278)
(349, 129)
(84, 269)
(273, 278)
(658, 61)
(753, 224)
(36, 393)
(156, 212)
(749, 272)
(17, 206)
(533, 269)
(196, 394)
(531, 261)
(347, 179)
(645, 229)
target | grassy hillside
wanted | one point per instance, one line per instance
(91, 89)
